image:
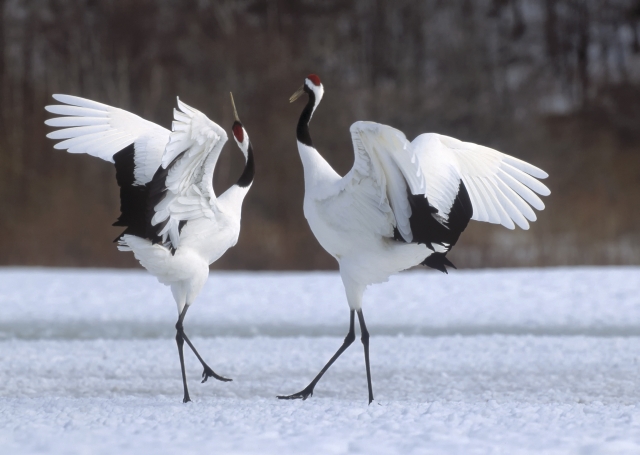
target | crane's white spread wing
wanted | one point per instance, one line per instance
(374, 193)
(184, 184)
(501, 188)
(101, 130)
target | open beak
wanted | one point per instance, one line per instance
(297, 94)
(235, 113)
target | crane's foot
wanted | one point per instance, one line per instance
(209, 373)
(186, 398)
(302, 395)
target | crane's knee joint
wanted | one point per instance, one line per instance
(350, 338)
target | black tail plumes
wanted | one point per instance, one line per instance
(138, 201)
(428, 230)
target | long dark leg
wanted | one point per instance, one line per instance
(308, 391)
(365, 342)
(180, 343)
(208, 372)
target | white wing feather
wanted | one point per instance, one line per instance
(102, 131)
(191, 155)
(501, 187)
(396, 162)
(373, 194)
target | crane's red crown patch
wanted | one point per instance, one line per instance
(238, 132)
(315, 79)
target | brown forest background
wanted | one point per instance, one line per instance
(555, 82)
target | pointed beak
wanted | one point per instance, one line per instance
(235, 113)
(297, 94)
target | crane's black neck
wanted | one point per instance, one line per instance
(302, 131)
(246, 178)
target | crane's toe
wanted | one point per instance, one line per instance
(209, 373)
(302, 395)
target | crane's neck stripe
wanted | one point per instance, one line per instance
(246, 178)
(302, 131)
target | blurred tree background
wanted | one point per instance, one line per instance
(554, 82)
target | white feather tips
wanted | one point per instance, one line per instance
(502, 188)
(102, 131)
(80, 102)
(68, 133)
(525, 167)
(59, 109)
(62, 122)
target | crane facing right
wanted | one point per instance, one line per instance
(403, 204)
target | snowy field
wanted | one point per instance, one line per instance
(476, 362)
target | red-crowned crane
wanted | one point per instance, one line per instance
(403, 204)
(175, 225)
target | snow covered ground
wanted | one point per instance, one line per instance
(476, 362)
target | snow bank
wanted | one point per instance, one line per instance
(477, 362)
(68, 303)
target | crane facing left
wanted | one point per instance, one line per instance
(175, 225)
